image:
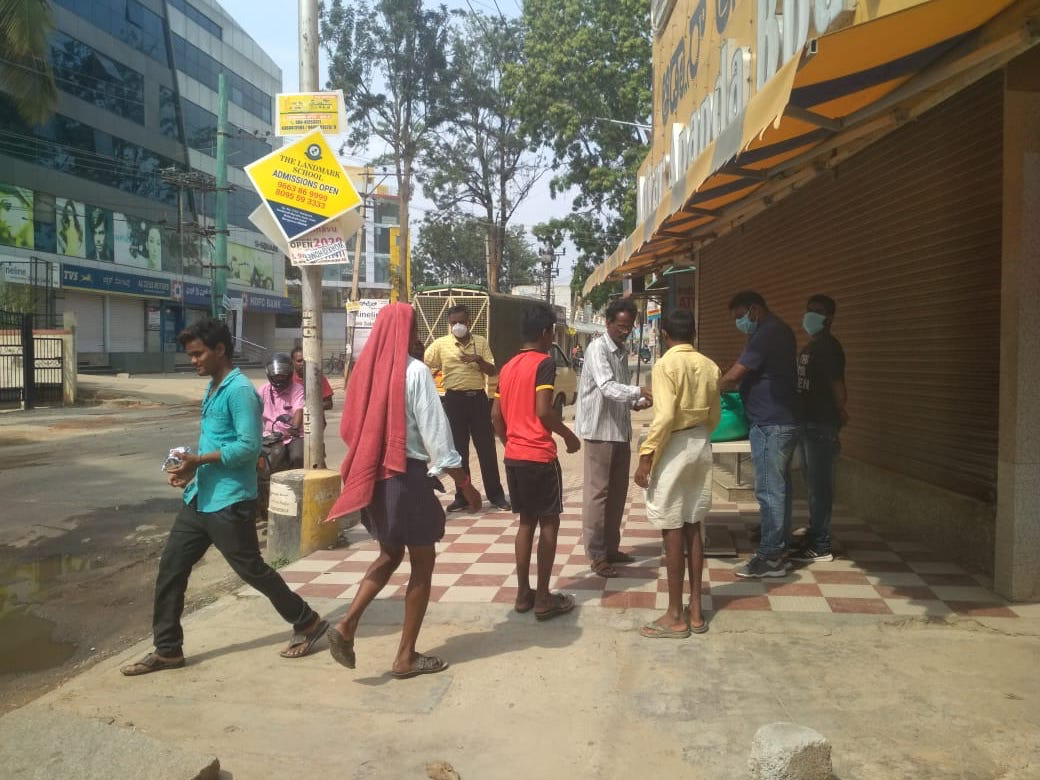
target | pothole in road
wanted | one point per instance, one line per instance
(27, 642)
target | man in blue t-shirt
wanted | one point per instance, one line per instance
(766, 373)
(219, 509)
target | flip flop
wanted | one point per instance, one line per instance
(424, 664)
(656, 631)
(562, 604)
(527, 607)
(306, 641)
(341, 648)
(151, 663)
(701, 629)
(604, 569)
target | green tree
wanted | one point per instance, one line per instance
(25, 71)
(451, 250)
(585, 62)
(389, 60)
(479, 157)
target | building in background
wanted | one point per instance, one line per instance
(83, 197)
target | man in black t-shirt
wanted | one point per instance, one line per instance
(765, 376)
(821, 391)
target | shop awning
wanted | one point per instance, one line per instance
(845, 91)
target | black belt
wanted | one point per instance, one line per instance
(467, 393)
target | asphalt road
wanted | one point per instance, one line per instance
(84, 513)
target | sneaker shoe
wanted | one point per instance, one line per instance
(457, 506)
(758, 567)
(502, 504)
(810, 555)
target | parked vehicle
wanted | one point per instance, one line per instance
(496, 317)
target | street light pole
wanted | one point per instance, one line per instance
(310, 285)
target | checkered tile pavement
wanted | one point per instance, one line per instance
(872, 575)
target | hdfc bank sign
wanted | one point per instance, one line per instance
(704, 57)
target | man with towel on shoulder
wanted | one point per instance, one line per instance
(398, 442)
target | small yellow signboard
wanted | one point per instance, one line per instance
(303, 185)
(298, 113)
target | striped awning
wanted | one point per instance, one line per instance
(856, 85)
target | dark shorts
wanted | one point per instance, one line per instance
(535, 489)
(404, 510)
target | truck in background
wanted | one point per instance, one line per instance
(496, 317)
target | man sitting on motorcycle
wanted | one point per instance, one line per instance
(283, 402)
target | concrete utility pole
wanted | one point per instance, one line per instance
(548, 258)
(310, 285)
(220, 265)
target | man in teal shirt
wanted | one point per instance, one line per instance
(219, 482)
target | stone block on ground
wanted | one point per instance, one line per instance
(787, 751)
(42, 744)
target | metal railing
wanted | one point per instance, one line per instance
(244, 348)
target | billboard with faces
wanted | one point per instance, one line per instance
(99, 234)
(70, 224)
(137, 242)
(16, 216)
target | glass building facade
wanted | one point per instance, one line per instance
(89, 192)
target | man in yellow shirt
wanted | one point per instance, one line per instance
(465, 361)
(675, 468)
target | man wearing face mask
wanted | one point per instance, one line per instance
(765, 375)
(465, 361)
(821, 390)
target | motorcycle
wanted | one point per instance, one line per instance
(275, 456)
(644, 353)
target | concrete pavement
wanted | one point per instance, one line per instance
(583, 696)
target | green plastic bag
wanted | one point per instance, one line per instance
(733, 426)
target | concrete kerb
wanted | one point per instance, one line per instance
(299, 503)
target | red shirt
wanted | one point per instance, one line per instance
(518, 384)
(326, 388)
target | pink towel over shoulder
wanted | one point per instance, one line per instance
(373, 425)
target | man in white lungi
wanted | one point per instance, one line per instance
(675, 468)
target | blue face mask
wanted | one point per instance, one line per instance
(813, 322)
(745, 325)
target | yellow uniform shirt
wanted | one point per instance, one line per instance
(445, 355)
(686, 394)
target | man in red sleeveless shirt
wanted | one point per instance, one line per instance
(524, 421)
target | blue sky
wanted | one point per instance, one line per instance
(277, 34)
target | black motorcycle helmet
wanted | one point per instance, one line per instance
(279, 370)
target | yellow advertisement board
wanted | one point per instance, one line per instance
(297, 113)
(303, 185)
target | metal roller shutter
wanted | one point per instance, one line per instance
(126, 324)
(906, 236)
(90, 320)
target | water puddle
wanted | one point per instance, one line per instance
(27, 642)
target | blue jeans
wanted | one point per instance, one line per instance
(820, 447)
(772, 447)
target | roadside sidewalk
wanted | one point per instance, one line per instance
(908, 664)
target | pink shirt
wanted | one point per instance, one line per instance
(279, 402)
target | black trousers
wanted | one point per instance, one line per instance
(233, 531)
(469, 414)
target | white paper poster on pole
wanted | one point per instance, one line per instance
(326, 245)
(361, 316)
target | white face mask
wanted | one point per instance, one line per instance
(459, 331)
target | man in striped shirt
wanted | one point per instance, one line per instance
(604, 421)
